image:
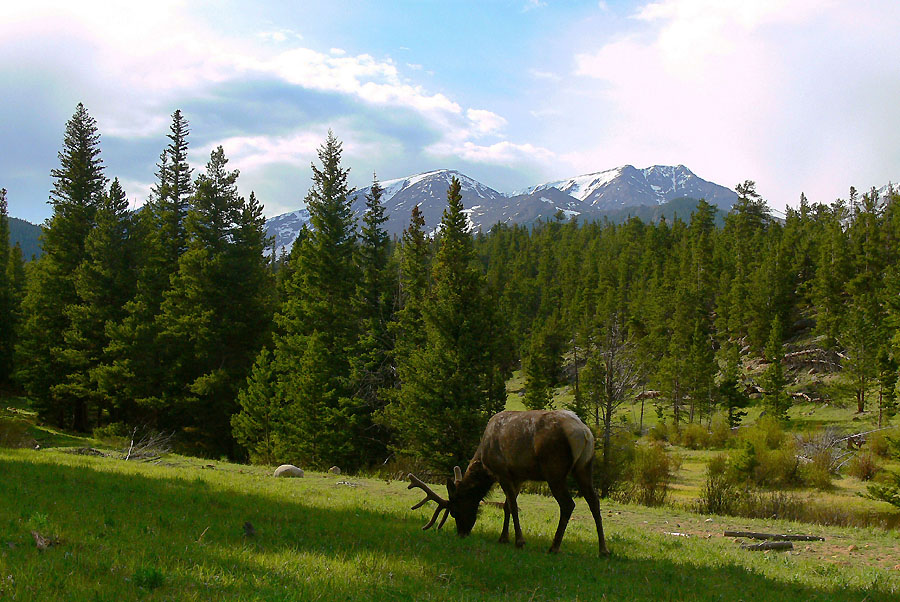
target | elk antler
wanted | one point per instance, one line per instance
(430, 495)
(457, 474)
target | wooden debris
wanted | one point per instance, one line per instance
(42, 542)
(780, 537)
(768, 545)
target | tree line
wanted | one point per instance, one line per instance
(356, 348)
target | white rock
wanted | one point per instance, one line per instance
(288, 470)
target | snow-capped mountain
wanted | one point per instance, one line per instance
(589, 197)
(285, 228)
(429, 191)
(628, 186)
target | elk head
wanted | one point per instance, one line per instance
(458, 505)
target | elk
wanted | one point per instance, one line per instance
(535, 445)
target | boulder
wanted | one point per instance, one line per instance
(288, 470)
(334, 470)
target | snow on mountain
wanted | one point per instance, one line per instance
(429, 191)
(285, 228)
(589, 196)
(628, 186)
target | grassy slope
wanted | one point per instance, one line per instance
(122, 525)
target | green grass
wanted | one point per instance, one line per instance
(175, 532)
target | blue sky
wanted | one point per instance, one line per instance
(798, 95)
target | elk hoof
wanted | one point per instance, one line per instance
(520, 543)
(553, 551)
(503, 539)
(604, 553)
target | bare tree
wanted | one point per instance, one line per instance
(610, 378)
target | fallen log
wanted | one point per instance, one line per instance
(768, 545)
(782, 537)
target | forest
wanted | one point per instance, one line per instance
(357, 349)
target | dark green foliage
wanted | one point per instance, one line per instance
(776, 399)
(77, 192)
(216, 315)
(456, 381)
(8, 307)
(730, 390)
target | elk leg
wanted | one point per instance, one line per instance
(504, 534)
(512, 508)
(566, 506)
(589, 493)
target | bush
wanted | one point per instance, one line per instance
(659, 433)
(622, 449)
(112, 431)
(695, 436)
(720, 432)
(879, 443)
(719, 492)
(864, 465)
(650, 474)
(817, 472)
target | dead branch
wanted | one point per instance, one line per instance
(769, 545)
(784, 537)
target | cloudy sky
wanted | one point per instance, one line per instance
(798, 95)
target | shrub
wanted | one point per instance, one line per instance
(622, 449)
(659, 432)
(879, 443)
(695, 436)
(14, 433)
(720, 432)
(778, 467)
(864, 465)
(651, 473)
(719, 492)
(817, 472)
(112, 431)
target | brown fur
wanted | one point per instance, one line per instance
(529, 446)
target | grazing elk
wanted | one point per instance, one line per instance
(517, 447)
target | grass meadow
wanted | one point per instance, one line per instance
(176, 531)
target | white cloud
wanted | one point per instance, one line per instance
(766, 90)
(500, 153)
(485, 122)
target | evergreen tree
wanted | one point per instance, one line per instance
(259, 426)
(218, 311)
(457, 381)
(730, 391)
(104, 282)
(776, 399)
(77, 191)
(542, 364)
(317, 325)
(372, 371)
(136, 373)
(7, 312)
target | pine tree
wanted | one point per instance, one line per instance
(776, 399)
(7, 313)
(77, 191)
(104, 282)
(317, 325)
(259, 426)
(730, 392)
(457, 380)
(217, 313)
(371, 369)
(136, 372)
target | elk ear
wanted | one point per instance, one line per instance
(451, 487)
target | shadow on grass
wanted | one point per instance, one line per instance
(312, 541)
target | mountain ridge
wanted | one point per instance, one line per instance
(588, 197)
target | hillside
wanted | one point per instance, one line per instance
(27, 235)
(188, 530)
